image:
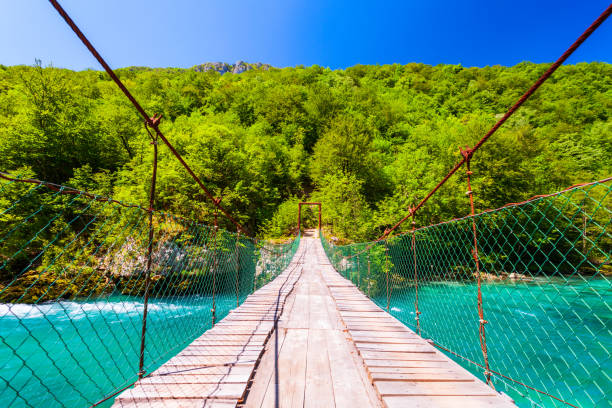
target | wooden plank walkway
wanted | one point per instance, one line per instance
(405, 370)
(215, 369)
(310, 339)
(311, 362)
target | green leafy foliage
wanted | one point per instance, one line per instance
(368, 141)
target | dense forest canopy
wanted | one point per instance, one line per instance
(367, 141)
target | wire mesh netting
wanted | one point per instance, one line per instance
(73, 279)
(545, 273)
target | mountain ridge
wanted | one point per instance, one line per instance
(223, 67)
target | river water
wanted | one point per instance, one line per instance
(554, 335)
(71, 354)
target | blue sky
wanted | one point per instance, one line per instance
(335, 34)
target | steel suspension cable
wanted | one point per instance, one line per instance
(152, 121)
(586, 34)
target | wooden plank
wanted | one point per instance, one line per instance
(299, 317)
(399, 388)
(319, 392)
(387, 355)
(208, 360)
(198, 370)
(229, 341)
(263, 380)
(178, 391)
(446, 402)
(174, 403)
(382, 335)
(212, 347)
(208, 336)
(220, 352)
(377, 328)
(364, 315)
(319, 317)
(387, 340)
(409, 348)
(244, 324)
(412, 364)
(291, 378)
(423, 377)
(347, 382)
(219, 331)
(415, 370)
(180, 378)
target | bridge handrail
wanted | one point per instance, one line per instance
(92, 268)
(539, 282)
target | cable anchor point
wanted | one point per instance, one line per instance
(154, 121)
(466, 152)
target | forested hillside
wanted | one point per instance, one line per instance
(367, 141)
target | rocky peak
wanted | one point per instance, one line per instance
(223, 67)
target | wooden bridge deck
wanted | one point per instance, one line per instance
(310, 339)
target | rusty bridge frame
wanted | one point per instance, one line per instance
(300, 213)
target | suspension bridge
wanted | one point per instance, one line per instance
(310, 338)
(107, 303)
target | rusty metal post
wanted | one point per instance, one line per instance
(287, 259)
(255, 270)
(213, 310)
(237, 270)
(143, 335)
(416, 279)
(584, 229)
(387, 273)
(300, 214)
(358, 272)
(467, 154)
(368, 274)
(348, 264)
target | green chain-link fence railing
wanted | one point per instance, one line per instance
(76, 277)
(545, 272)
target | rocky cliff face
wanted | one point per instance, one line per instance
(223, 67)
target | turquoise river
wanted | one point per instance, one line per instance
(553, 337)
